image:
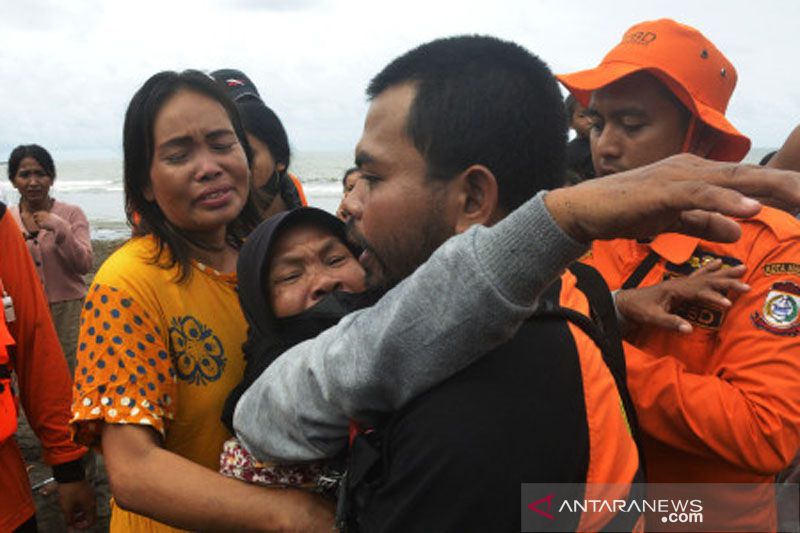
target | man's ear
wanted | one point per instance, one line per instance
(477, 198)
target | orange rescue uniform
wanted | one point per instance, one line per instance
(300, 192)
(613, 454)
(722, 404)
(41, 369)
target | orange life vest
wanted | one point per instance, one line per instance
(8, 403)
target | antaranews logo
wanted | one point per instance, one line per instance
(668, 511)
(540, 507)
(667, 507)
(536, 509)
(576, 507)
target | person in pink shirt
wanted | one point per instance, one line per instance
(57, 235)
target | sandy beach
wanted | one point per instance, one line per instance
(101, 249)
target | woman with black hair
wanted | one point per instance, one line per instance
(57, 235)
(162, 331)
(276, 189)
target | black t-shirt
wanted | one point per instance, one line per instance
(454, 459)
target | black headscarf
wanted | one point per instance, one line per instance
(268, 336)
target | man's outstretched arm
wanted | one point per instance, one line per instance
(473, 294)
(453, 309)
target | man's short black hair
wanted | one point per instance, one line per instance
(481, 100)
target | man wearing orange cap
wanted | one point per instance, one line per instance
(720, 404)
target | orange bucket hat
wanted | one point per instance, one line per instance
(686, 62)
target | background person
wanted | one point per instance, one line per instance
(577, 118)
(57, 235)
(161, 343)
(788, 156)
(351, 176)
(579, 154)
(276, 189)
(29, 349)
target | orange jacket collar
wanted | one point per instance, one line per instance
(674, 247)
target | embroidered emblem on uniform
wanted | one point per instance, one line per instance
(198, 355)
(776, 269)
(699, 314)
(705, 316)
(781, 312)
(699, 259)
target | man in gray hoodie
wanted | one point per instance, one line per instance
(451, 147)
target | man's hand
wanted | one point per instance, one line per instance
(77, 503)
(655, 305)
(681, 194)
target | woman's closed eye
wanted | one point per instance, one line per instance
(283, 278)
(336, 260)
(222, 146)
(176, 157)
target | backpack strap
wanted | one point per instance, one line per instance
(592, 331)
(641, 271)
(601, 305)
(603, 329)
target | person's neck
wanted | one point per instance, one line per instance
(27, 206)
(213, 250)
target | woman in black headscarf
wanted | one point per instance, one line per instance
(298, 275)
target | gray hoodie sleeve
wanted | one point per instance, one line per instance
(468, 298)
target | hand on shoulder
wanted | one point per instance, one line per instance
(657, 305)
(682, 194)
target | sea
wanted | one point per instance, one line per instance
(96, 186)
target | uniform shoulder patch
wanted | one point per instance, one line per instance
(780, 314)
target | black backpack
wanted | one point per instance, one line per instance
(602, 327)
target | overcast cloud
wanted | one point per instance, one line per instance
(70, 68)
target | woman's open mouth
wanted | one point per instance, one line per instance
(215, 198)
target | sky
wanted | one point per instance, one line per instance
(70, 68)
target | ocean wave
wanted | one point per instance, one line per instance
(328, 189)
(76, 186)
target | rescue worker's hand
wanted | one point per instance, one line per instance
(682, 194)
(77, 503)
(656, 305)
